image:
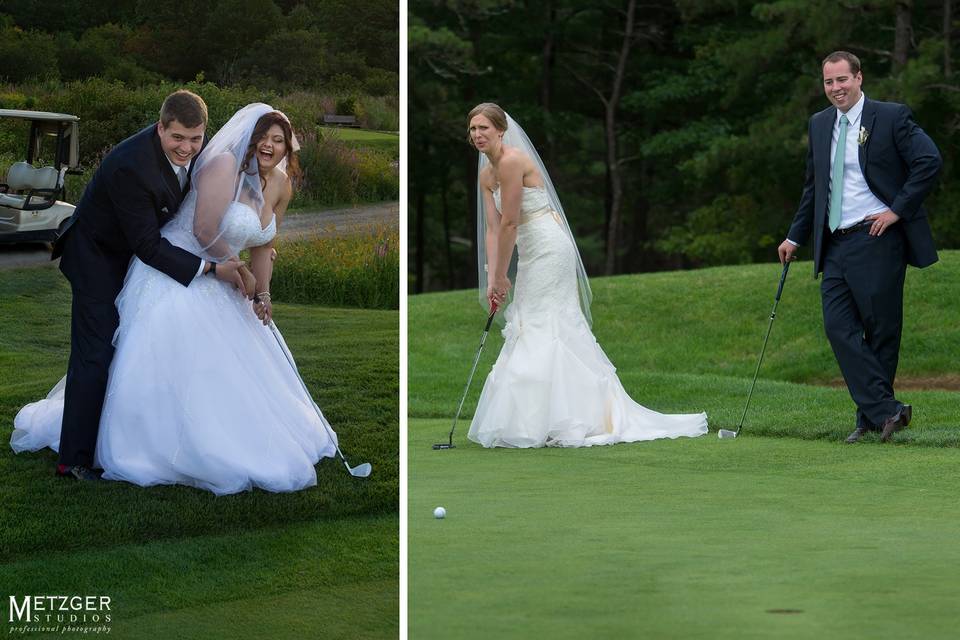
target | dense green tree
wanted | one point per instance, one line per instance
(706, 138)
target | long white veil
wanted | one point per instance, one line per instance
(515, 137)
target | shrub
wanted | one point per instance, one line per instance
(359, 270)
(335, 172)
(111, 110)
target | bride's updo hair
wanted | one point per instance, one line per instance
(493, 112)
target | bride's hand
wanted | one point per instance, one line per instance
(497, 290)
(263, 307)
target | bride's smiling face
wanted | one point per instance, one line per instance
(271, 148)
(483, 134)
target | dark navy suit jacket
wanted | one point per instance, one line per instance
(132, 194)
(900, 164)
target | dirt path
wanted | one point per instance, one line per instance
(303, 224)
(339, 222)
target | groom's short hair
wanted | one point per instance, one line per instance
(837, 56)
(185, 107)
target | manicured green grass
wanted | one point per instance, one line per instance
(689, 341)
(330, 578)
(693, 538)
(696, 538)
(381, 140)
(185, 555)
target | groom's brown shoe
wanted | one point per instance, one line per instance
(895, 423)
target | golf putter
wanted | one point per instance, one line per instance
(449, 443)
(726, 433)
(359, 471)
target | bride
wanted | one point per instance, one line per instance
(200, 392)
(551, 385)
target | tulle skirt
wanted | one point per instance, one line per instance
(552, 384)
(200, 393)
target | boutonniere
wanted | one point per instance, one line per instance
(864, 134)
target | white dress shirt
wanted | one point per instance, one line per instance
(858, 201)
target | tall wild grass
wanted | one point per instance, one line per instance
(360, 270)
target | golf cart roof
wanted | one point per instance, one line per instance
(38, 115)
(44, 123)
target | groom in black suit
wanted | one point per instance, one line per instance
(864, 206)
(137, 188)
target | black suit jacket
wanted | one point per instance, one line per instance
(132, 194)
(900, 164)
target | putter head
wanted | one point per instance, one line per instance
(444, 445)
(726, 433)
(361, 470)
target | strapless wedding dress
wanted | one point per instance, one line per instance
(200, 393)
(552, 384)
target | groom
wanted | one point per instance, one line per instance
(136, 189)
(869, 168)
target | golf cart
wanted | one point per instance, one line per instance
(29, 207)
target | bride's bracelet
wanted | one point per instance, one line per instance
(263, 296)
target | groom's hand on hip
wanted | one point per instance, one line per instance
(787, 251)
(882, 221)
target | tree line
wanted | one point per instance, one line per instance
(674, 130)
(281, 45)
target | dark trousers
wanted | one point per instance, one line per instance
(92, 325)
(862, 294)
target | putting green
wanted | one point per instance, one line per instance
(692, 538)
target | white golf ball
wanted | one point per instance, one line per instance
(439, 513)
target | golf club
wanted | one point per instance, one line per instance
(726, 433)
(449, 443)
(359, 471)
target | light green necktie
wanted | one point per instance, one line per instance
(836, 176)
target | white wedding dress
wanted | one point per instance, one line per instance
(200, 392)
(552, 385)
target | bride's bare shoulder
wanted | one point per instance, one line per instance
(517, 159)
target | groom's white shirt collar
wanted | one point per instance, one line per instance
(853, 114)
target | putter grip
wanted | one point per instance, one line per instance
(493, 312)
(783, 278)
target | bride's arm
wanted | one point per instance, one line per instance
(261, 260)
(492, 233)
(511, 194)
(215, 186)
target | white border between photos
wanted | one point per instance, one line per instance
(404, 173)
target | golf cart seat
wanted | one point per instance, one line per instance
(36, 188)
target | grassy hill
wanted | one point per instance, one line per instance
(689, 341)
(760, 537)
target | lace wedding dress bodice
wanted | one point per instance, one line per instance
(240, 228)
(534, 199)
(546, 280)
